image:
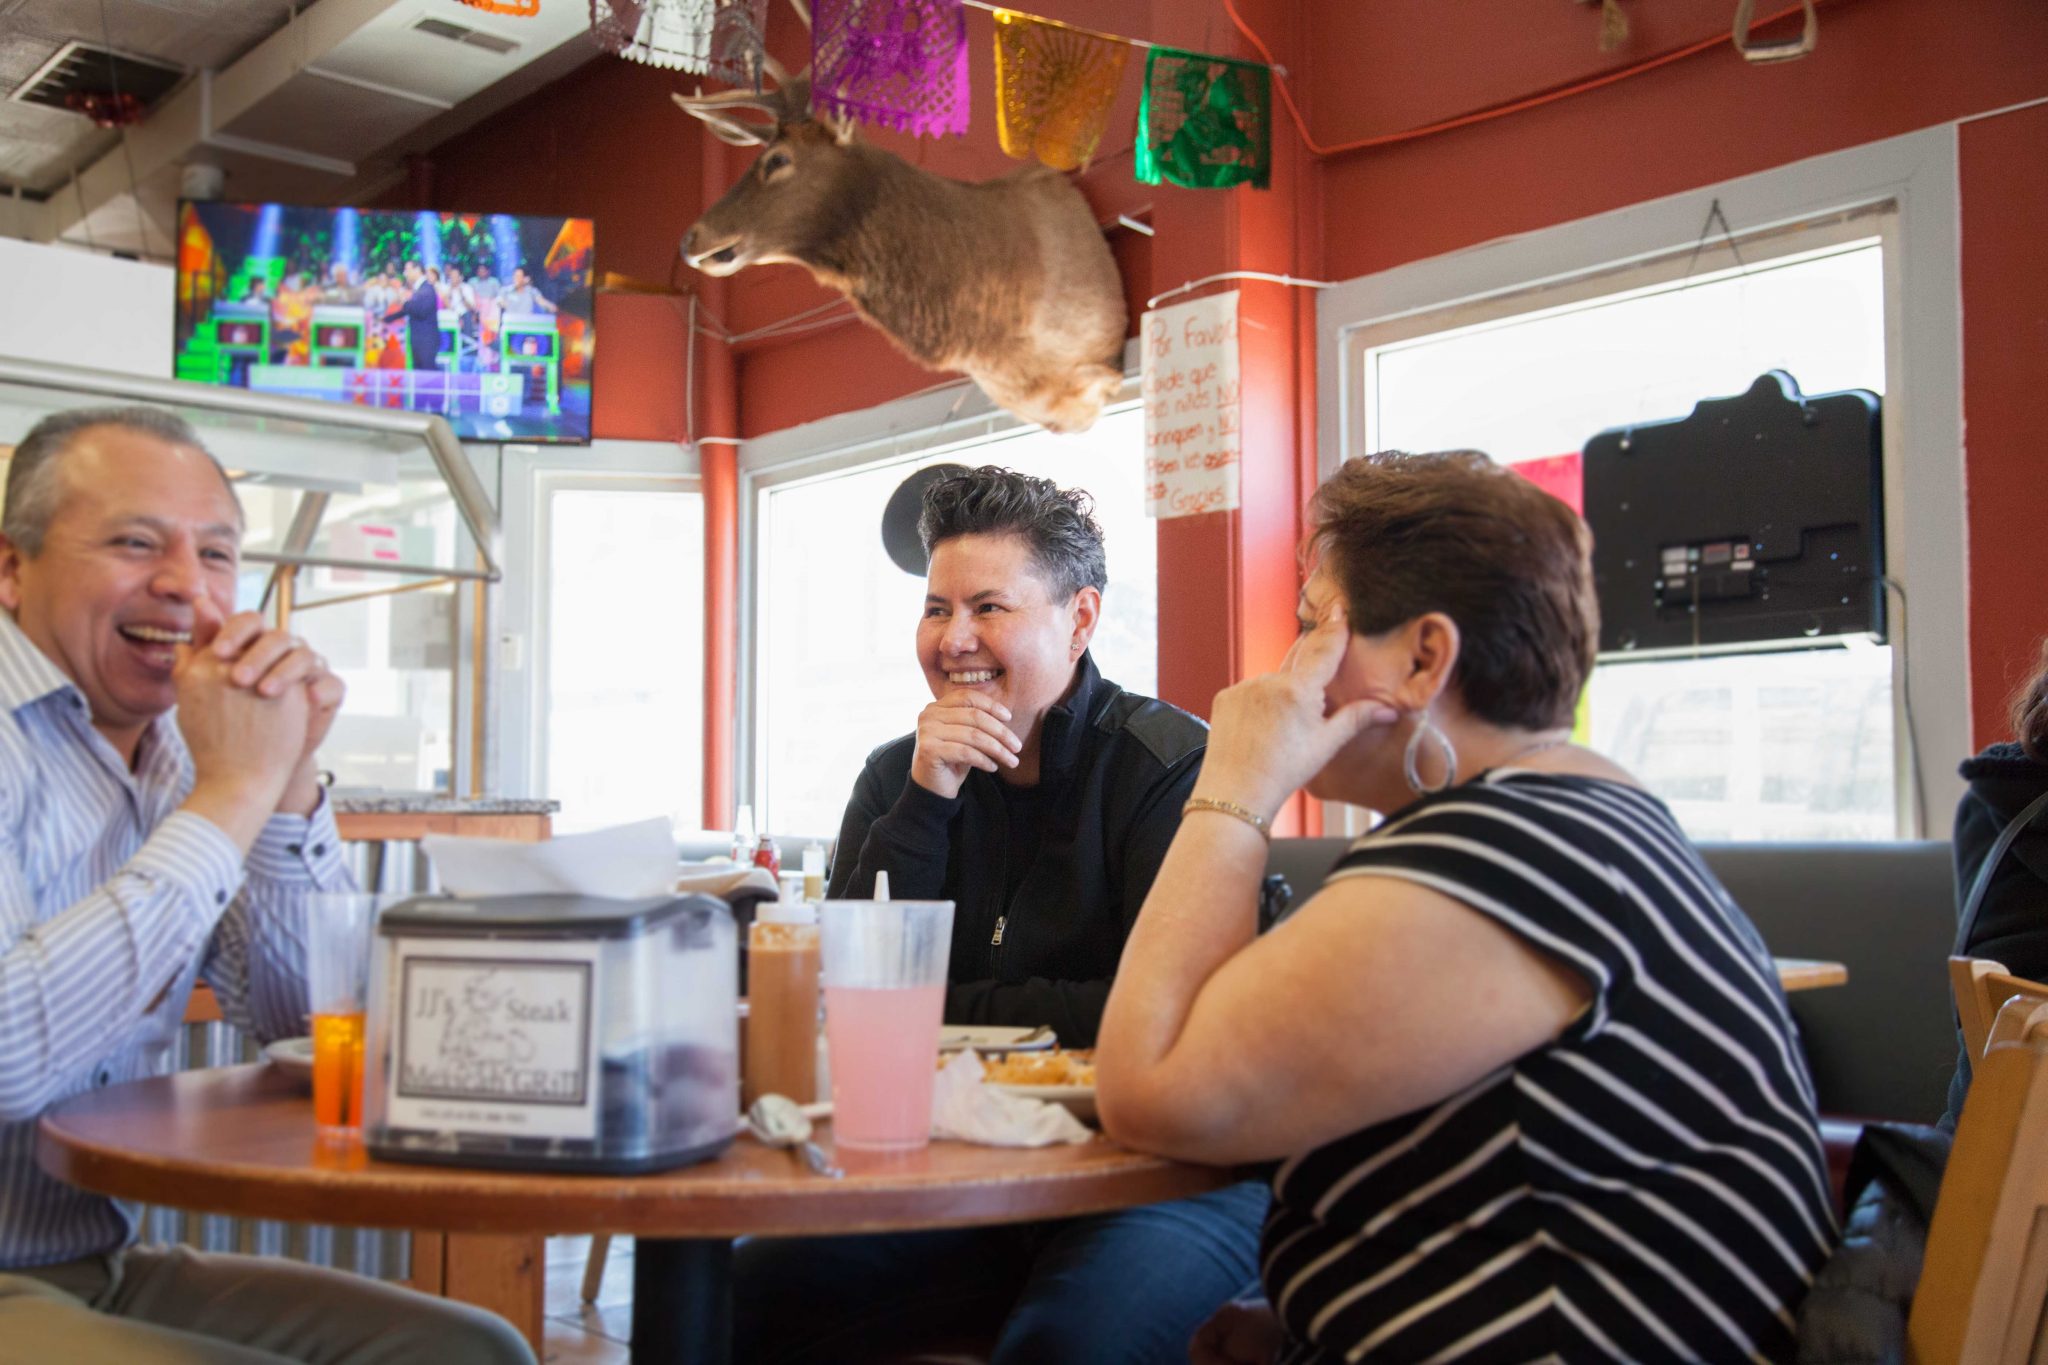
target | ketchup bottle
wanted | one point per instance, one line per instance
(768, 856)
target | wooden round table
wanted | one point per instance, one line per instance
(241, 1141)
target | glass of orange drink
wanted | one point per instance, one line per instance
(338, 929)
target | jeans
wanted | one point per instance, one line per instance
(1122, 1288)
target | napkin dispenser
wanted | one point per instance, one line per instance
(553, 1032)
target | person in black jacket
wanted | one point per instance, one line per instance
(421, 312)
(1039, 797)
(2011, 923)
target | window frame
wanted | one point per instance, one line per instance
(944, 418)
(1906, 187)
(531, 475)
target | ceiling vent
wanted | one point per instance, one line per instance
(456, 33)
(81, 72)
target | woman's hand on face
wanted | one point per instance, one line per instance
(962, 730)
(1270, 734)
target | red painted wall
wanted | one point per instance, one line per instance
(606, 142)
(1883, 67)
(2005, 356)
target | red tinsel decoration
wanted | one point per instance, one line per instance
(107, 111)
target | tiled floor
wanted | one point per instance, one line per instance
(595, 1333)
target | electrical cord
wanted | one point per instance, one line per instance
(1490, 112)
(1906, 707)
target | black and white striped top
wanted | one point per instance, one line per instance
(1649, 1187)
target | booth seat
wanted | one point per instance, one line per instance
(1882, 1046)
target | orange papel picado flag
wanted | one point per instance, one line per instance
(1054, 88)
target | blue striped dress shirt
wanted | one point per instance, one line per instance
(113, 902)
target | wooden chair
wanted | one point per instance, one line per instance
(1985, 1281)
(1981, 987)
(593, 1265)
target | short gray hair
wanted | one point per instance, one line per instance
(33, 488)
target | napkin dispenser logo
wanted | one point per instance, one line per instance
(495, 1037)
(492, 1029)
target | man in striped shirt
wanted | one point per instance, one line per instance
(141, 850)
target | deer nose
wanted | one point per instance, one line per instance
(686, 248)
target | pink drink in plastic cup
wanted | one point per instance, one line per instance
(885, 991)
(884, 1045)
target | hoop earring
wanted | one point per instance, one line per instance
(1425, 726)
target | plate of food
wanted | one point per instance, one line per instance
(293, 1056)
(1060, 1075)
(997, 1038)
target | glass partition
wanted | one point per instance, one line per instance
(369, 534)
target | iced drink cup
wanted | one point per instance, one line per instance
(338, 928)
(782, 1013)
(885, 990)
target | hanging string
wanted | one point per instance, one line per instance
(1268, 276)
(1059, 23)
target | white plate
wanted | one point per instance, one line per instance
(1079, 1099)
(995, 1038)
(293, 1056)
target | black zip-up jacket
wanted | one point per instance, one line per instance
(1115, 768)
(2012, 923)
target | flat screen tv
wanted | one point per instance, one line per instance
(484, 318)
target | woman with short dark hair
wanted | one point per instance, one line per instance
(1528, 1070)
(2007, 921)
(1039, 797)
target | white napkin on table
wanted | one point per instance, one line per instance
(625, 861)
(967, 1110)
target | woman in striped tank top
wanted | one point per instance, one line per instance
(1532, 1086)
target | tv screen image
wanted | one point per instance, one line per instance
(485, 319)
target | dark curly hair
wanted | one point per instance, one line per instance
(1058, 523)
(2030, 711)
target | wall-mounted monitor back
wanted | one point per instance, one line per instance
(484, 318)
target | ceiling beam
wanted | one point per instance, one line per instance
(22, 217)
(188, 120)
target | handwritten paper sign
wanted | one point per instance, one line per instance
(1191, 407)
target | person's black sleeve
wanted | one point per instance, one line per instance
(2010, 928)
(903, 833)
(1074, 1008)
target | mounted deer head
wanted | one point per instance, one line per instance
(1009, 281)
(788, 185)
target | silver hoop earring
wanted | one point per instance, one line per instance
(1425, 726)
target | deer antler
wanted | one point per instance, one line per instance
(711, 110)
(768, 102)
(789, 100)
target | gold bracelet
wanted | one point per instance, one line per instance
(1244, 813)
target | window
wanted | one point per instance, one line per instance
(392, 640)
(620, 724)
(1528, 346)
(1791, 745)
(836, 671)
